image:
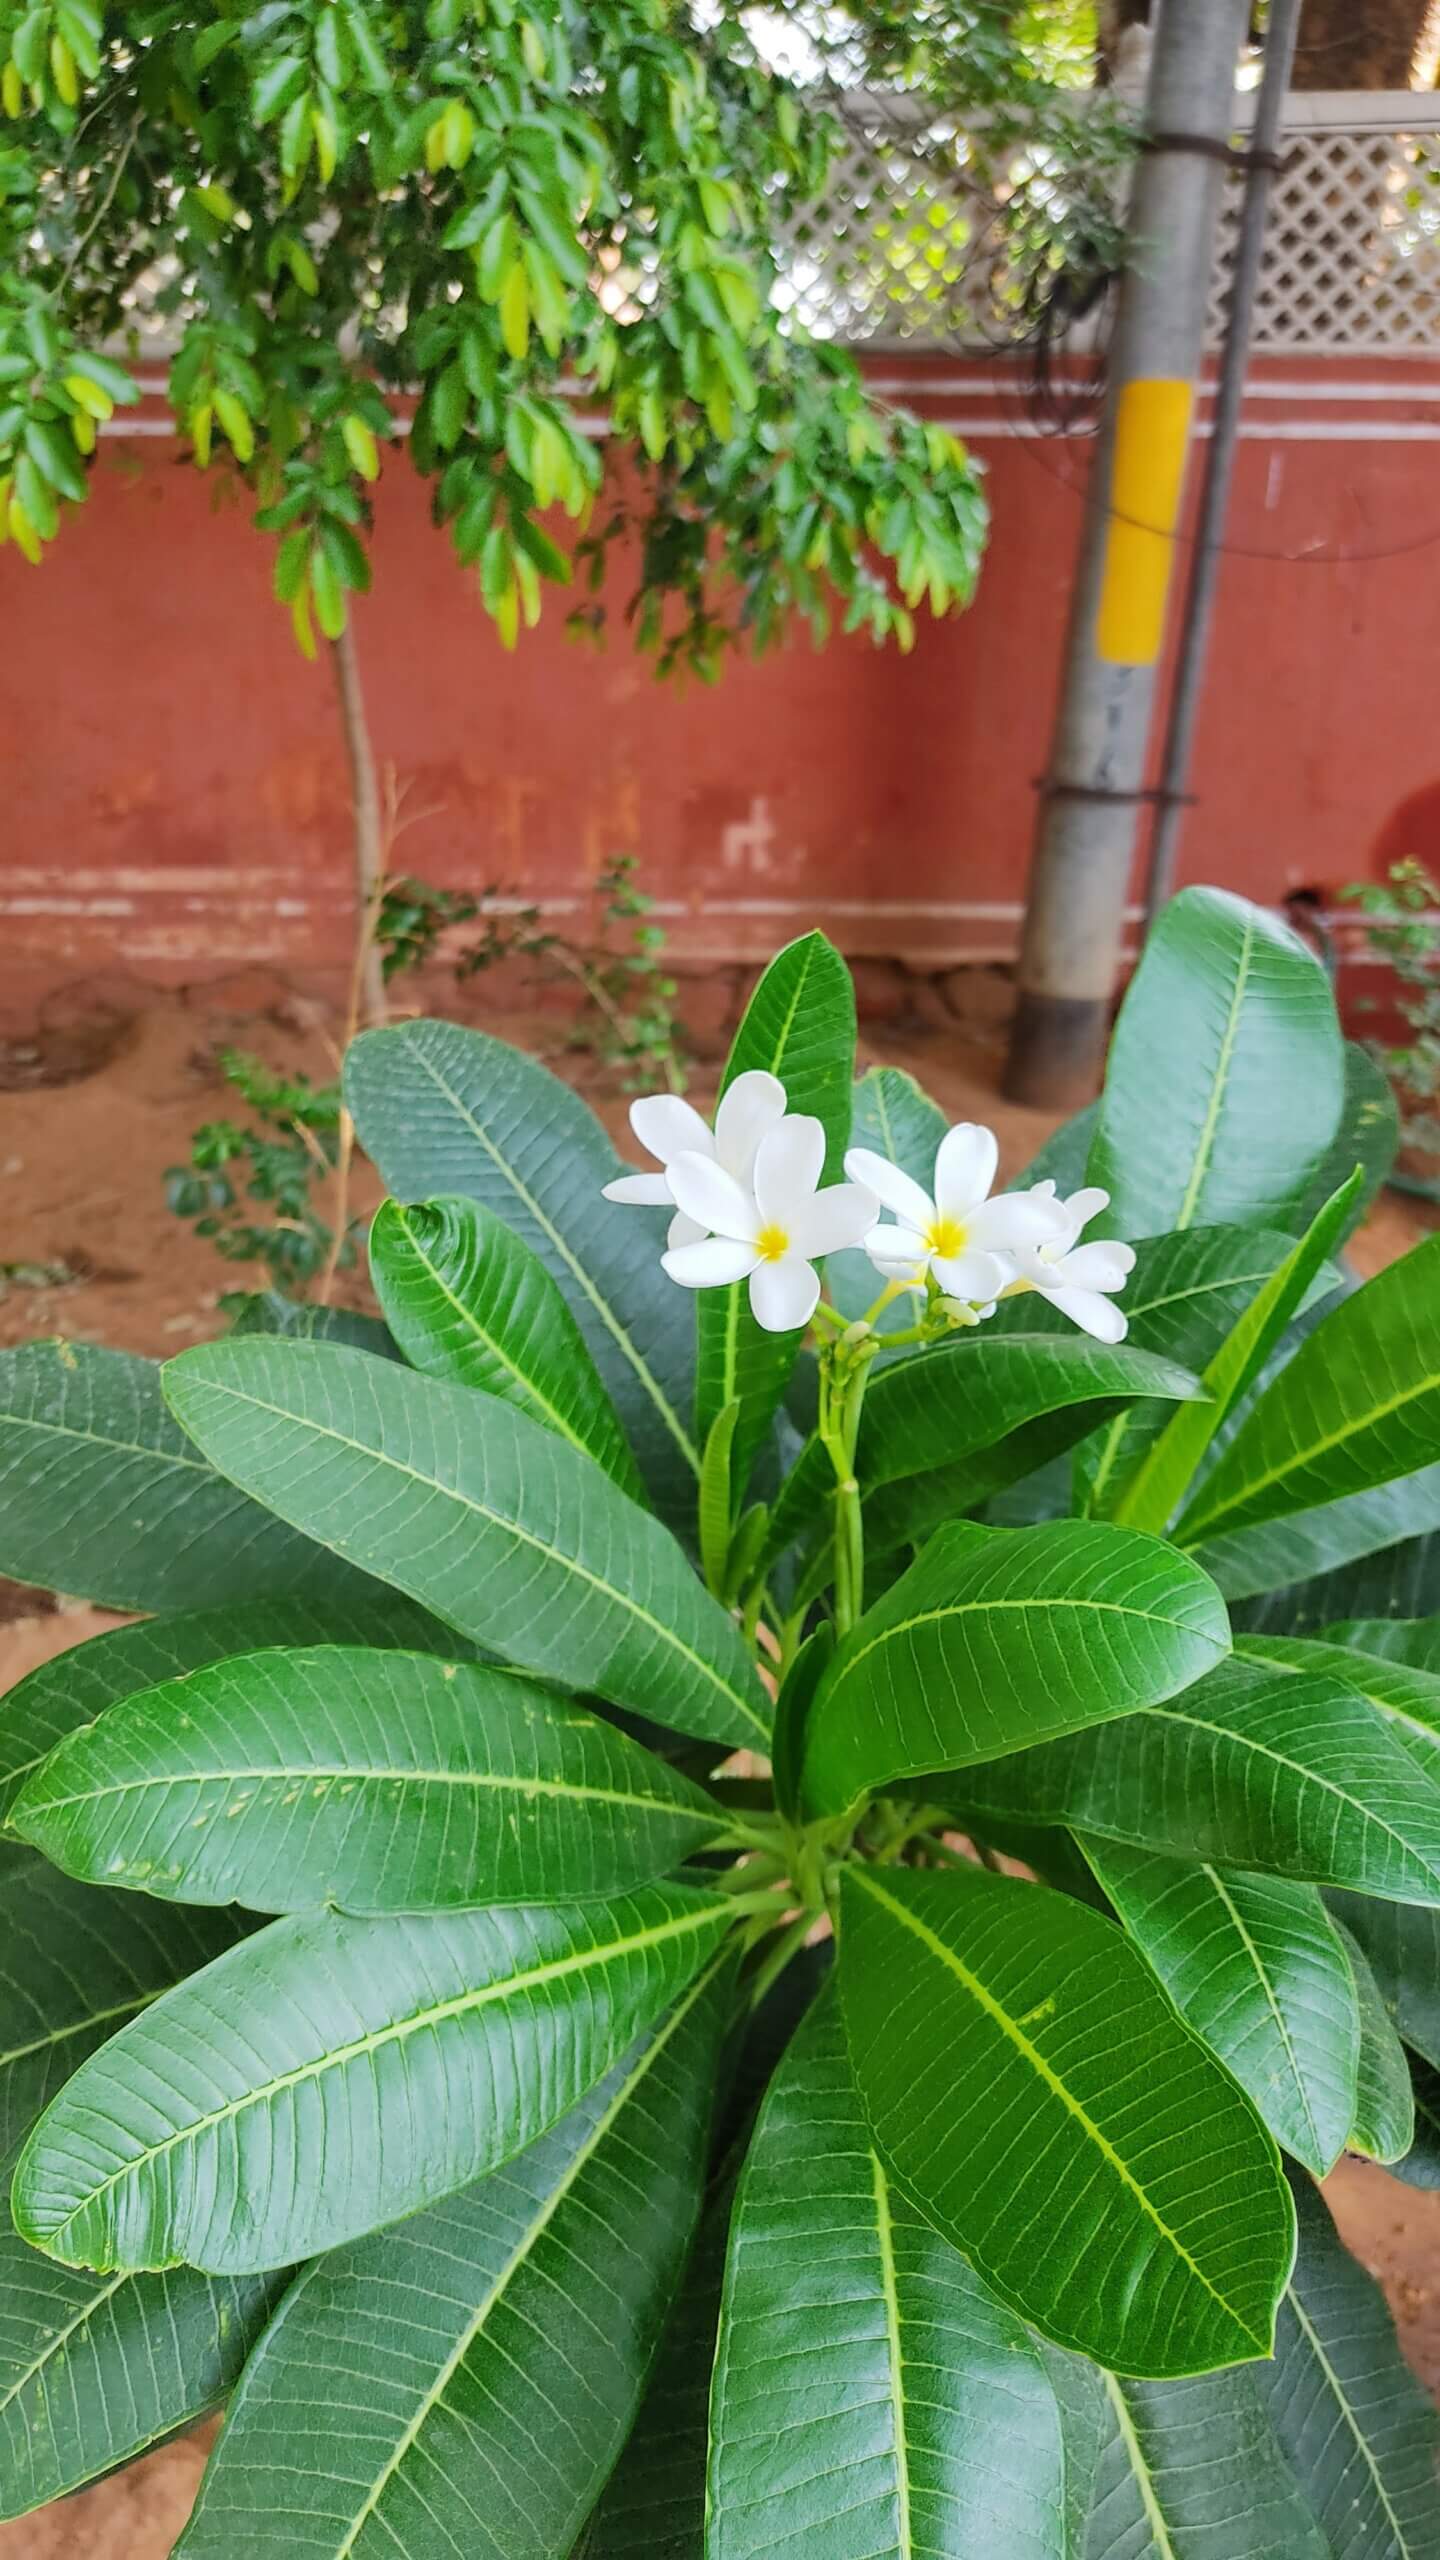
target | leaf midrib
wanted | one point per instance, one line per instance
(1140, 2469)
(1404, 2549)
(511, 1528)
(576, 1268)
(437, 2014)
(1308, 1777)
(1205, 1146)
(890, 2299)
(985, 1999)
(1262, 1977)
(730, 1312)
(59, 2339)
(306, 1772)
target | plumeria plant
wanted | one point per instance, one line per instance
(744, 1866)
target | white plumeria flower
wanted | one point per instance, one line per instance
(668, 1127)
(771, 1229)
(1078, 1280)
(960, 1234)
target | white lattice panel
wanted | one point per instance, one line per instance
(906, 248)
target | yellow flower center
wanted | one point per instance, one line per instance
(772, 1244)
(946, 1237)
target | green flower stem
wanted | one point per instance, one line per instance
(782, 1948)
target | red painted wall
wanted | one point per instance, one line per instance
(175, 800)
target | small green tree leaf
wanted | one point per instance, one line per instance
(372, 1781)
(1149, 1498)
(995, 1639)
(442, 1110)
(95, 2368)
(1357, 1406)
(1412, 1640)
(1252, 1769)
(337, 2074)
(1195, 2467)
(1226, 1074)
(800, 1026)
(984, 2018)
(922, 2419)
(1255, 1965)
(490, 2352)
(1361, 2436)
(73, 1688)
(942, 1431)
(1383, 2124)
(102, 1495)
(499, 1526)
(75, 1965)
(1402, 1948)
(1408, 1699)
(469, 1302)
(1311, 1549)
(1392, 1581)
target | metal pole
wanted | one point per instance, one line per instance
(1091, 794)
(1197, 612)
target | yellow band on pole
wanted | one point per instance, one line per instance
(1152, 436)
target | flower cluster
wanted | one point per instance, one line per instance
(748, 1206)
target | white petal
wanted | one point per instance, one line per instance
(750, 1106)
(710, 1264)
(1013, 1221)
(970, 1275)
(707, 1193)
(965, 1168)
(1093, 1314)
(898, 1252)
(640, 1190)
(831, 1220)
(912, 1206)
(666, 1126)
(783, 1295)
(1082, 1206)
(1101, 1265)
(683, 1230)
(1043, 1190)
(788, 1165)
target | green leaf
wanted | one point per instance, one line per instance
(800, 1026)
(893, 1118)
(443, 1110)
(1357, 1406)
(717, 1509)
(1249, 1769)
(1368, 1136)
(1402, 1948)
(1195, 2467)
(970, 1416)
(1226, 1074)
(336, 2074)
(490, 2353)
(1361, 2436)
(984, 2019)
(499, 1526)
(1284, 1554)
(1065, 1154)
(74, 1965)
(995, 1639)
(654, 2504)
(1150, 1497)
(918, 2419)
(72, 1688)
(1182, 1300)
(103, 1497)
(1255, 1965)
(792, 1717)
(1392, 1581)
(1383, 2124)
(1411, 1640)
(1408, 1699)
(371, 1781)
(299, 1320)
(93, 2369)
(1419, 2166)
(469, 1303)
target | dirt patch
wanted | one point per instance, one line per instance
(90, 1248)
